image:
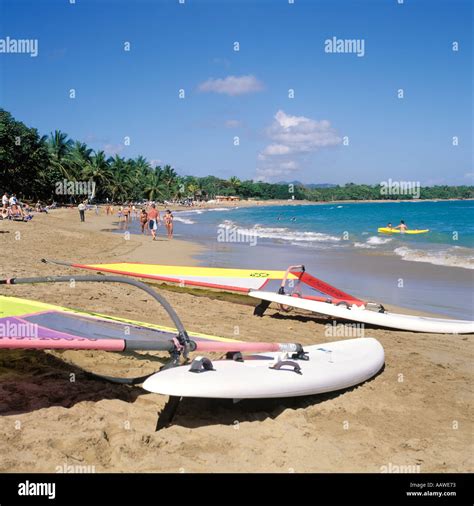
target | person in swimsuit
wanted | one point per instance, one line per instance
(144, 221)
(16, 213)
(168, 219)
(389, 225)
(126, 216)
(153, 220)
(403, 228)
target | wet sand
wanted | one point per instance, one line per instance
(416, 412)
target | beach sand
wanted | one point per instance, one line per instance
(417, 412)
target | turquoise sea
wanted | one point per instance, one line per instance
(339, 243)
(450, 241)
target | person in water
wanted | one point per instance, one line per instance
(168, 219)
(389, 225)
(143, 221)
(402, 226)
(126, 216)
(153, 220)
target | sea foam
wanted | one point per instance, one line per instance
(442, 257)
(281, 233)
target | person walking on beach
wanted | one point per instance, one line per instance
(82, 211)
(153, 220)
(120, 215)
(402, 226)
(168, 219)
(126, 216)
(144, 221)
(5, 200)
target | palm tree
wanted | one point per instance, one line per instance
(59, 147)
(98, 171)
(142, 164)
(121, 182)
(154, 185)
(139, 169)
(235, 183)
(79, 156)
(169, 178)
(193, 189)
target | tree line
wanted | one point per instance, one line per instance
(32, 165)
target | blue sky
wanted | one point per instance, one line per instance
(244, 94)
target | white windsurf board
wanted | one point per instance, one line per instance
(331, 366)
(360, 314)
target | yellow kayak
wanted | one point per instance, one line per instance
(385, 230)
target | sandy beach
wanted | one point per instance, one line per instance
(417, 412)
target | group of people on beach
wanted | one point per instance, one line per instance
(13, 209)
(149, 217)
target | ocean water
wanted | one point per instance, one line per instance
(450, 241)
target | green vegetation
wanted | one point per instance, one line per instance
(32, 166)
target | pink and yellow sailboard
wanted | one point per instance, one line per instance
(238, 280)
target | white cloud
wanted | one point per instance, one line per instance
(290, 165)
(292, 138)
(232, 85)
(301, 135)
(267, 174)
(275, 149)
(276, 171)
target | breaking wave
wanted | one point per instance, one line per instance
(442, 257)
(372, 242)
(186, 221)
(284, 234)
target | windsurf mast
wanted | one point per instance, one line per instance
(183, 339)
(181, 344)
